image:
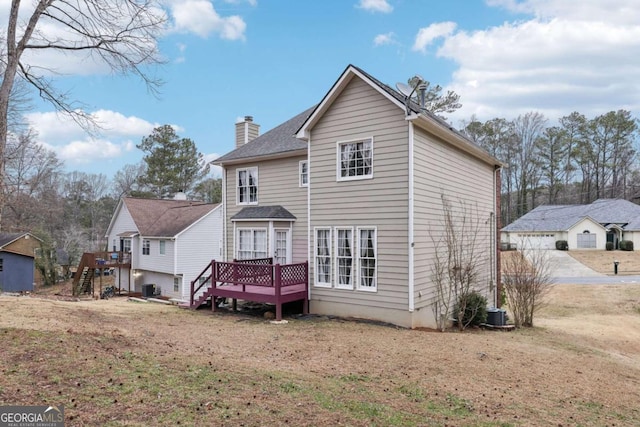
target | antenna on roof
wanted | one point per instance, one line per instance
(408, 91)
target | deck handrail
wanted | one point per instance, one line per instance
(211, 266)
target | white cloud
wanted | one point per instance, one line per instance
(427, 35)
(200, 17)
(384, 39)
(251, 2)
(382, 6)
(215, 171)
(118, 135)
(561, 59)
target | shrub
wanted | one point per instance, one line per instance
(562, 245)
(609, 246)
(626, 245)
(473, 305)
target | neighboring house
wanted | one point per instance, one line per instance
(17, 261)
(355, 186)
(582, 226)
(170, 242)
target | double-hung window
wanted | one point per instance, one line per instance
(163, 247)
(247, 191)
(251, 243)
(146, 247)
(304, 173)
(322, 254)
(367, 259)
(355, 159)
(344, 257)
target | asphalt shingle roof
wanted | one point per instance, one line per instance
(278, 140)
(165, 218)
(264, 212)
(562, 217)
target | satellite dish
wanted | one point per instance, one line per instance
(405, 89)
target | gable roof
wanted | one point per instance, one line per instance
(423, 118)
(165, 218)
(8, 238)
(607, 212)
(278, 141)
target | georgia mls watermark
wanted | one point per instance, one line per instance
(31, 416)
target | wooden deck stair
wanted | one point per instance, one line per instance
(84, 274)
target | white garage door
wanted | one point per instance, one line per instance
(537, 241)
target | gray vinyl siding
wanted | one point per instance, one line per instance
(440, 169)
(278, 184)
(382, 202)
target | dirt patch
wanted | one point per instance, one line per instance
(115, 362)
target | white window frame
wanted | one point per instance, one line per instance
(162, 247)
(177, 281)
(126, 244)
(146, 247)
(339, 146)
(359, 258)
(252, 249)
(338, 257)
(251, 170)
(316, 258)
(303, 169)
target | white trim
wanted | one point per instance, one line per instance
(247, 169)
(375, 248)
(339, 176)
(224, 214)
(315, 247)
(308, 218)
(160, 247)
(300, 183)
(335, 258)
(411, 221)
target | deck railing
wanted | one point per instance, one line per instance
(250, 273)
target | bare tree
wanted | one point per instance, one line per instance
(526, 282)
(121, 34)
(458, 260)
(127, 180)
(29, 170)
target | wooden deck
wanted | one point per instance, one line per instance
(252, 280)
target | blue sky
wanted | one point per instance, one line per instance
(274, 58)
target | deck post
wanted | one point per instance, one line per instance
(305, 303)
(192, 298)
(214, 282)
(277, 272)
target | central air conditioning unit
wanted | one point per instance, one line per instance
(148, 290)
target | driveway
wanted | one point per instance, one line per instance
(565, 269)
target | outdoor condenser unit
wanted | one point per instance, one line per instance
(147, 290)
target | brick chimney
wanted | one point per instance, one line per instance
(246, 131)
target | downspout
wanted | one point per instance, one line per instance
(497, 209)
(411, 219)
(224, 213)
(309, 237)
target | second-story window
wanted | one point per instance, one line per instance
(304, 173)
(146, 247)
(247, 186)
(163, 247)
(355, 159)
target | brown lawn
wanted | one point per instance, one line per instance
(120, 363)
(602, 261)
